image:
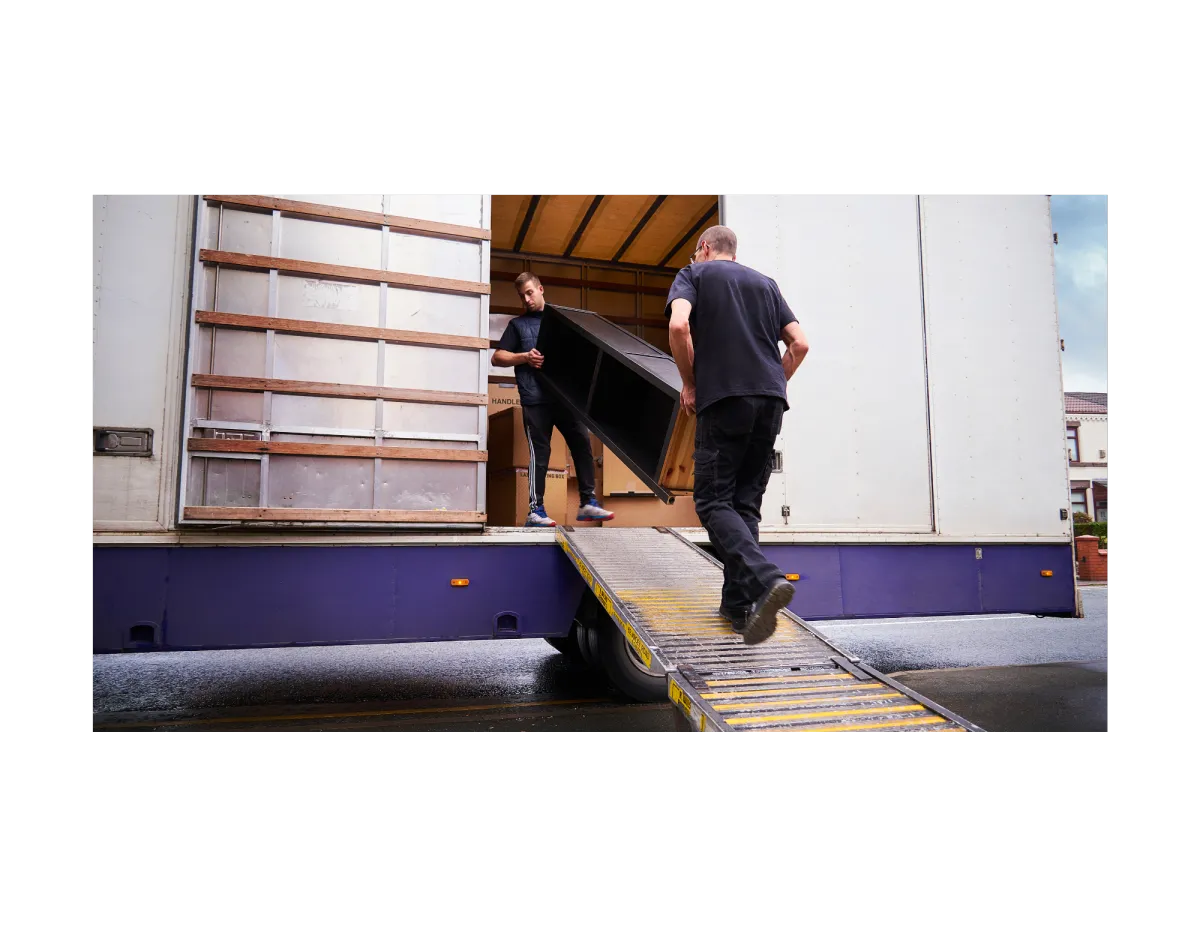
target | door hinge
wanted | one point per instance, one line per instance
(787, 511)
(777, 461)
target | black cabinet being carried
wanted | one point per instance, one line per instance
(626, 391)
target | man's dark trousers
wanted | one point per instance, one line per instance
(735, 439)
(540, 421)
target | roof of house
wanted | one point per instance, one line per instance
(1094, 403)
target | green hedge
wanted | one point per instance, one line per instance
(1097, 529)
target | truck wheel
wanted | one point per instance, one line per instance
(587, 618)
(568, 646)
(625, 670)
(588, 643)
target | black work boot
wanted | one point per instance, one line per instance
(760, 623)
(735, 616)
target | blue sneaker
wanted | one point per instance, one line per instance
(538, 518)
(591, 511)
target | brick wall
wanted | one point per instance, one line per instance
(1091, 562)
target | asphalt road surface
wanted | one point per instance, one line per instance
(1003, 672)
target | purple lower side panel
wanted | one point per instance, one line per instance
(888, 580)
(213, 597)
(194, 598)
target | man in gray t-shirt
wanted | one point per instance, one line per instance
(726, 324)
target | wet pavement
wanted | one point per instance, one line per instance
(1044, 697)
(495, 671)
(553, 715)
(458, 685)
(894, 645)
(1004, 673)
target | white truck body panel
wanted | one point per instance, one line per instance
(995, 376)
(141, 264)
(855, 441)
(934, 366)
(930, 407)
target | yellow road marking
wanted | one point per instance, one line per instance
(352, 714)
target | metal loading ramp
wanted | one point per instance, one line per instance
(663, 592)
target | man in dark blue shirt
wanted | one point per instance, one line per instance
(543, 413)
(726, 324)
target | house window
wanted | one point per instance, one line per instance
(1102, 511)
(1073, 442)
(1079, 500)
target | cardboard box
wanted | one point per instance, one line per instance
(508, 447)
(502, 396)
(619, 480)
(642, 512)
(508, 496)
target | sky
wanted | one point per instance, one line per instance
(1081, 279)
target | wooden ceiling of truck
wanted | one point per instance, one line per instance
(650, 231)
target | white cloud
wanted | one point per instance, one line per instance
(1086, 268)
(1077, 379)
(1081, 272)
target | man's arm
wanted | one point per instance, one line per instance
(502, 358)
(797, 347)
(680, 334)
(505, 356)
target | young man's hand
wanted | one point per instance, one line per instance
(687, 399)
(534, 358)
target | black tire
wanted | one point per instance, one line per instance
(588, 644)
(587, 618)
(567, 646)
(624, 669)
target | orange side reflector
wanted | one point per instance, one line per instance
(460, 582)
(1047, 572)
(792, 577)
